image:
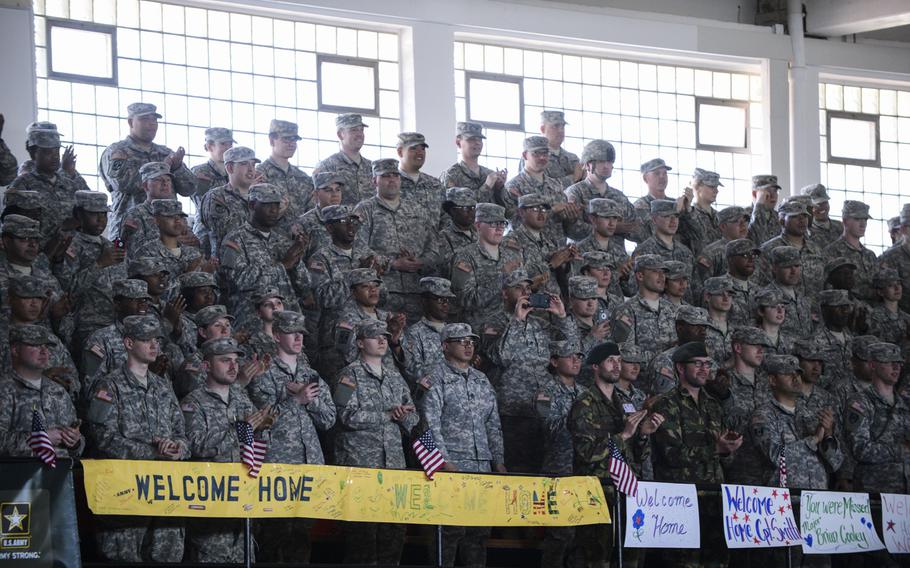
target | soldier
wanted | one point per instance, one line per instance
(546, 260)
(654, 173)
(823, 229)
(355, 169)
(26, 388)
(302, 403)
(328, 191)
(212, 412)
(771, 311)
(461, 208)
(699, 224)
(417, 186)
(898, 256)
(210, 175)
(121, 161)
(648, 316)
(459, 408)
(676, 286)
(103, 350)
(402, 232)
(794, 233)
(664, 243)
(632, 359)
(420, 342)
(605, 216)
(171, 223)
(139, 225)
(226, 207)
(764, 224)
(486, 184)
(786, 274)
(133, 414)
(592, 325)
(840, 274)
(848, 245)
(599, 266)
(833, 336)
(375, 409)
(888, 321)
(740, 255)
(266, 303)
(212, 322)
(199, 290)
(660, 375)
(8, 166)
(718, 299)
(169, 313)
(20, 237)
(894, 229)
(733, 223)
(277, 170)
(562, 165)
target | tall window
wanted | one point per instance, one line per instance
(865, 152)
(689, 117)
(209, 68)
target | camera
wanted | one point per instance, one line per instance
(539, 301)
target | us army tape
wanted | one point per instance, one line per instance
(197, 489)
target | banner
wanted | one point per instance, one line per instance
(896, 522)
(662, 515)
(38, 516)
(836, 523)
(758, 517)
(197, 489)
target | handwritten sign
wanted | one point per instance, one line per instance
(758, 517)
(896, 522)
(837, 523)
(662, 515)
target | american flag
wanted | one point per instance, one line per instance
(40, 442)
(428, 454)
(620, 472)
(782, 467)
(252, 451)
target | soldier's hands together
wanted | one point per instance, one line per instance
(304, 393)
(70, 435)
(252, 369)
(168, 449)
(651, 424)
(399, 412)
(826, 422)
(728, 442)
(175, 159)
(631, 423)
(261, 419)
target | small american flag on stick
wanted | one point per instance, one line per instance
(40, 442)
(620, 472)
(252, 451)
(428, 454)
(782, 467)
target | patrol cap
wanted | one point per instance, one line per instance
(218, 134)
(564, 348)
(283, 129)
(141, 109)
(664, 208)
(583, 287)
(489, 213)
(264, 294)
(469, 130)
(324, 179)
(439, 287)
(142, 328)
(767, 297)
(803, 199)
(860, 346)
(732, 214)
(167, 208)
(817, 192)
(706, 177)
(718, 285)
(385, 166)
(28, 286)
(632, 353)
(834, 298)
(598, 151)
(93, 201)
(534, 143)
(40, 125)
(411, 139)
(688, 351)
(597, 259)
(43, 139)
(29, 334)
(460, 197)
(237, 154)
(885, 277)
(692, 315)
(210, 314)
(197, 279)
(600, 352)
(25, 199)
(855, 210)
(677, 269)
(654, 164)
(836, 263)
(221, 346)
(372, 328)
(808, 350)
(791, 208)
(905, 214)
(883, 352)
(145, 266)
(21, 227)
(649, 262)
(603, 207)
(751, 336)
(287, 321)
(360, 276)
(335, 213)
(131, 288)
(553, 117)
(153, 170)
(764, 181)
(738, 247)
(265, 193)
(781, 364)
(533, 200)
(894, 223)
(456, 331)
(349, 120)
(785, 256)
(515, 278)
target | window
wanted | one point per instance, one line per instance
(348, 85)
(722, 125)
(495, 100)
(80, 51)
(853, 138)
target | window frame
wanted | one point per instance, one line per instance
(501, 78)
(51, 23)
(859, 116)
(353, 61)
(746, 149)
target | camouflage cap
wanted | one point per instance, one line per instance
(860, 346)
(767, 297)
(21, 227)
(93, 201)
(808, 350)
(456, 331)
(648, 262)
(817, 192)
(732, 214)
(334, 213)
(436, 286)
(677, 269)
(324, 179)
(688, 351)
(836, 263)
(597, 259)
(764, 181)
(287, 321)
(905, 214)
(489, 213)
(583, 287)
(601, 351)
(167, 208)
(30, 334)
(218, 134)
(469, 130)
(706, 177)
(718, 285)
(791, 208)
(221, 346)
(146, 266)
(515, 278)
(28, 286)
(598, 151)
(631, 353)
(564, 348)
(885, 277)
(131, 288)
(360, 276)
(654, 164)
(692, 315)
(534, 143)
(603, 207)
(283, 129)
(781, 364)
(553, 117)
(884, 352)
(349, 120)
(43, 139)
(751, 336)
(411, 139)
(533, 200)
(834, 298)
(265, 193)
(385, 166)
(785, 256)
(803, 199)
(40, 125)
(741, 246)
(855, 210)
(664, 208)
(152, 170)
(264, 294)
(197, 279)
(371, 328)
(237, 154)
(894, 223)
(29, 200)
(461, 197)
(210, 314)
(142, 328)
(141, 109)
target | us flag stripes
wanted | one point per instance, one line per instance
(428, 454)
(252, 451)
(40, 442)
(620, 472)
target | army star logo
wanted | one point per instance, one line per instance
(16, 519)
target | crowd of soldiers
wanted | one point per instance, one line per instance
(343, 314)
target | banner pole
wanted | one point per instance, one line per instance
(617, 520)
(247, 543)
(438, 546)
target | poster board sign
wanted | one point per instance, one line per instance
(758, 517)
(836, 523)
(896, 522)
(663, 515)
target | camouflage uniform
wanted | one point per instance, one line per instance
(58, 190)
(20, 227)
(698, 228)
(426, 189)
(562, 162)
(208, 176)
(864, 259)
(452, 238)
(297, 185)
(837, 349)
(584, 191)
(656, 246)
(800, 319)
(822, 233)
(534, 248)
(8, 165)
(340, 336)
(898, 258)
(749, 464)
(422, 349)
(460, 175)
(764, 224)
(893, 327)
(653, 331)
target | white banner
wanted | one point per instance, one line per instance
(758, 517)
(896, 522)
(836, 523)
(662, 515)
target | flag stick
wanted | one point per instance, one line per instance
(438, 546)
(617, 520)
(247, 543)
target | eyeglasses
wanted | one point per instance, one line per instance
(749, 255)
(537, 209)
(700, 364)
(463, 341)
(440, 299)
(349, 221)
(498, 225)
(464, 207)
(540, 153)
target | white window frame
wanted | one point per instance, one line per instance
(746, 148)
(873, 118)
(51, 23)
(469, 75)
(352, 61)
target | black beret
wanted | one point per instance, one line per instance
(600, 352)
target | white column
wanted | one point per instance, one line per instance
(805, 157)
(17, 67)
(777, 121)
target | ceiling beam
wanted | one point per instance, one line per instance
(845, 17)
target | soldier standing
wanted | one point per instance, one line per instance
(348, 162)
(718, 300)
(420, 342)
(848, 245)
(771, 311)
(328, 191)
(417, 186)
(823, 229)
(170, 221)
(654, 173)
(458, 232)
(739, 258)
(888, 321)
(226, 207)
(660, 375)
(210, 175)
(833, 336)
(139, 225)
(8, 166)
(278, 170)
(486, 184)
(898, 256)
(699, 224)
(605, 216)
(546, 260)
(648, 317)
(764, 225)
(592, 325)
(794, 219)
(665, 243)
(562, 164)
(786, 279)
(676, 286)
(733, 223)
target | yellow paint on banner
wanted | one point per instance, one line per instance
(197, 489)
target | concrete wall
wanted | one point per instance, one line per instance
(17, 67)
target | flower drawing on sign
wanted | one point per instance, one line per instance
(638, 521)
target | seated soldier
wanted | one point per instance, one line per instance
(771, 312)
(458, 230)
(170, 219)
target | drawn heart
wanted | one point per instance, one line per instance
(808, 540)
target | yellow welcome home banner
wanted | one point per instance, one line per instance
(197, 489)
